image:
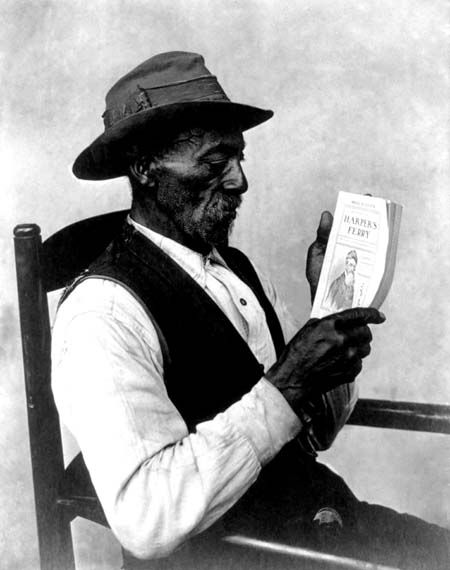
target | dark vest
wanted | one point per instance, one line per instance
(207, 364)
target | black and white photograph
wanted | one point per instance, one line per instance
(169, 398)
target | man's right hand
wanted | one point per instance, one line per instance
(324, 354)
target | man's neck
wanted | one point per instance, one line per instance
(157, 220)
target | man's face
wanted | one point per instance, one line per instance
(350, 265)
(199, 182)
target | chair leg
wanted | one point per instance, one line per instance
(55, 544)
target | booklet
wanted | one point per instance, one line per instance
(359, 261)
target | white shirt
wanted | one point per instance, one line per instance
(158, 483)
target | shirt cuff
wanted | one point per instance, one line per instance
(266, 419)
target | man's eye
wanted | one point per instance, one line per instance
(223, 160)
(216, 165)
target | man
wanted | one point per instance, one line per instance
(170, 365)
(340, 294)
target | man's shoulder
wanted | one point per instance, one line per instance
(339, 280)
(102, 313)
(104, 299)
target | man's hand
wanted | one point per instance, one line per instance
(324, 354)
(316, 252)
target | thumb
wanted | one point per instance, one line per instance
(323, 231)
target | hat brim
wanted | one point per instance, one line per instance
(105, 159)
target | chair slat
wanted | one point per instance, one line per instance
(85, 507)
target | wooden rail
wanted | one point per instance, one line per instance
(434, 418)
(305, 554)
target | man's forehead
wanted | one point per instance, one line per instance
(203, 139)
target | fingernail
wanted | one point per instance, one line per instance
(382, 315)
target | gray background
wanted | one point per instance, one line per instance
(360, 94)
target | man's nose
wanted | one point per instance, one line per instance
(234, 180)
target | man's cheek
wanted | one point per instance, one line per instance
(200, 212)
(203, 182)
(203, 197)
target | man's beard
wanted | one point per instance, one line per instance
(349, 277)
(207, 223)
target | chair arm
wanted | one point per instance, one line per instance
(411, 416)
(327, 561)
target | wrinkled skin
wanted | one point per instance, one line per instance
(194, 188)
(191, 193)
(324, 354)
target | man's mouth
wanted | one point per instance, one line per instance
(229, 204)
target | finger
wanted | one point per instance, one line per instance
(359, 335)
(359, 316)
(357, 353)
(354, 370)
(364, 350)
(323, 231)
(311, 321)
(351, 354)
(354, 353)
(346, 376)
(345, 359)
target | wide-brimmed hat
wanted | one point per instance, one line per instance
(165, 91)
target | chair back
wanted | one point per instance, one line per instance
(42, 268)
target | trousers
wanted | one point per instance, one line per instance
(315, 509)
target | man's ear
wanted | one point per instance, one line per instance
(143, 172)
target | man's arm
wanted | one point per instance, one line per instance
(157, 483)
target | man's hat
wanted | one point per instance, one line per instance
(163, 92)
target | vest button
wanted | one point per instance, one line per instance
(242, 301)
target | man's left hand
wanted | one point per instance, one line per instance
(316, 252)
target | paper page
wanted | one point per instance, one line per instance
(356, 253)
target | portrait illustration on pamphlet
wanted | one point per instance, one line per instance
(342, 289)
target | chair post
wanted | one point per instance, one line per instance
(53, 525)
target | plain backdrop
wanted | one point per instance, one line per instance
(360, 91)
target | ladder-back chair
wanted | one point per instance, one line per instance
(60, 495)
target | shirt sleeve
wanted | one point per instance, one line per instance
(329, 413)
(158, 483)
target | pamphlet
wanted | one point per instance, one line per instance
(359, 262)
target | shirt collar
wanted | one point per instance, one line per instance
(194, 263)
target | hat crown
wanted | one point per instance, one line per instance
(165, 79)
(169, 89)
(158, 71)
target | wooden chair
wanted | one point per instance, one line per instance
(60, 495)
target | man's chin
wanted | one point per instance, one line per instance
(217, 235)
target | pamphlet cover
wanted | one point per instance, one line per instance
(358, 265)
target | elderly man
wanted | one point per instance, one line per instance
(170, 362)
